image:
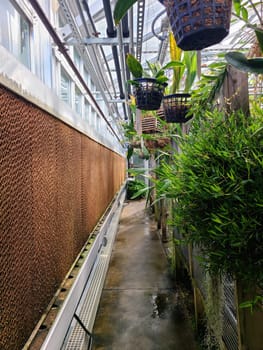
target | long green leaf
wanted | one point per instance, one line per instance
(190, 59)
(237, 6)
(121, 7)
(134, 66)
(173, 64)
(240, 62)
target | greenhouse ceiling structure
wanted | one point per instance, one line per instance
(143, 31)
(68, 125)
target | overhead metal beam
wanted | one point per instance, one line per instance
(117, 100)
(98, 41)
(44, 19)
(94, 30)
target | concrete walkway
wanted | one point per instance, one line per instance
(139, 308)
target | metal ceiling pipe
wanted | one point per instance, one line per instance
(131, 46)
(124, 78)
(111, 32)
(125, 26)
(118, 70)
(86, 8)
(98, 65)
(126, 34)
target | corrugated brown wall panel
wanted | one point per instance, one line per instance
(55, 184)
(16, 223)
(105, 181)
(91, 184)
(79, 236)
(86, 169)
(65, 196)
(43, 135)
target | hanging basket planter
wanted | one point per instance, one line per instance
(150, 125)
(176, 107)
(157, 143)
(148, 93)
(197, 24)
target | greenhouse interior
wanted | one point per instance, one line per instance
(131, 157)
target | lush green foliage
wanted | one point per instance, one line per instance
(216, 181)
(155, 70)
(208, 87)
(136, 188)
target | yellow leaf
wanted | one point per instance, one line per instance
(133, 101)
(175, 51)
(175, 55)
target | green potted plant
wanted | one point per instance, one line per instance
(148, 85)
(195, 24)
(176, 104)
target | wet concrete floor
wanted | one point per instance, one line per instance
(140, 308)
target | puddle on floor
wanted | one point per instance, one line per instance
(160, 304)
(167, 305)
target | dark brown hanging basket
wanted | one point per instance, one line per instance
(160, 142)
(197, 24)
(176, 107)
(148, 93)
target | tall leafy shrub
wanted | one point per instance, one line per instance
(217, 182)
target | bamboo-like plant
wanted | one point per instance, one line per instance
(216, 181)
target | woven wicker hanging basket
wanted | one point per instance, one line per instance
(176, 107)
(197, 24)
(148, 93)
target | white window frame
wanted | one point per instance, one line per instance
(22, 15)
(78, 104)
(64, 73)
